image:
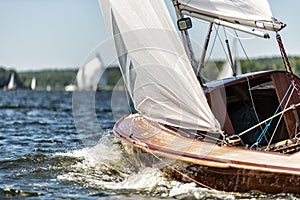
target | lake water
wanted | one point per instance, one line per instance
(60, 145)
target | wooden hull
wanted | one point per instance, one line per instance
(206, 163)
(237, 180)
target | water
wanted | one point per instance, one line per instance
(60, 145)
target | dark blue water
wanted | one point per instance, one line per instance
(60, 145)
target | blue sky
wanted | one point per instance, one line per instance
(38, 34)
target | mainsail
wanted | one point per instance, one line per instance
(254, 13)
(154, 65)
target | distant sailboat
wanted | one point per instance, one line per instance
(11, 84)
(70, 88)
(33, 83)
(89, 75)
(48, 88)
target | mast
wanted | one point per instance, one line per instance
(186, 38)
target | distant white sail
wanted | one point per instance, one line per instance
(48, 88)
(11, 83)
(154, 65)
(33, 83)
(238, 67)
(88, 76)
(226, 70)
(70, 88)
(254, 13)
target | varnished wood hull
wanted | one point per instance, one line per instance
(218, 167)
(237, 180)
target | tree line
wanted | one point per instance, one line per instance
(58, 79)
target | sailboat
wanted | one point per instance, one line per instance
(236, 134)
(33, 83)
(11, 83)
(92, 75)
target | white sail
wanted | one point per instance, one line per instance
(11, 82)
(254, 13)
(48, 88)
(88, 76)
(238, 67)
(154, 65)
(33, 83)
(226, 70)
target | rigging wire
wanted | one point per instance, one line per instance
(210, 53)
(266, 120)
(238, 37)
(259, 139)
(280, 119)
(243, 48)
(217, 35)
(213, 44)
(252, 101)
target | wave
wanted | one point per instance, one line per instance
(121, 171)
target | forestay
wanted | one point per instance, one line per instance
(254, 13)
(154, 65)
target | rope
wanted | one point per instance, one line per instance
(241, 44)
(259, 139)
(287, 64)
(280, 119)
(252, 100)
(259, 124)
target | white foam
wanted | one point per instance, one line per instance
(146, 179)
(105, 166)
